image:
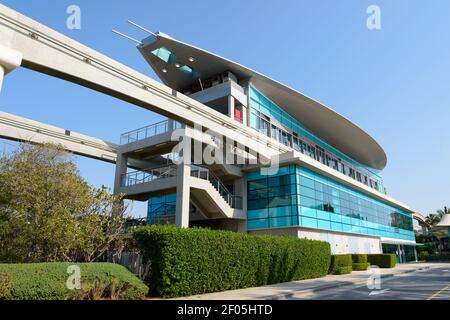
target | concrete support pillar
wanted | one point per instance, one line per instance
(244, 115)
(9, 60)
(121, 169)
(2, 75)
(183, 185)
(170, 125)
(231, 106)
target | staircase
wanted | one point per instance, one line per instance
(204, 173)
(207, 192)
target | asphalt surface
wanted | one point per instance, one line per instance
(432, 284)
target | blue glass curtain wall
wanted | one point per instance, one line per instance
(300, 197)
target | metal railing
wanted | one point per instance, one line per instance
(149, 131)
(144, 176)
(206, 174)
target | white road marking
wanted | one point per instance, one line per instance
(377, 292)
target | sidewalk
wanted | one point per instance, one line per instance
(286, 290)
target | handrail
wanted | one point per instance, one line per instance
(205, 173)
(148, 175)
(149, 131)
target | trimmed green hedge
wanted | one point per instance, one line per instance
(47, 281)
(360, 262)
(195, 261)
(362, 266)
(340, 264)
(359, 258)
(382, 260)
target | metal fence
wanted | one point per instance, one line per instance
(149, 131)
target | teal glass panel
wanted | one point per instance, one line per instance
(323, 215)
(258, 224)
(164, 54)
(280, 222)
(308, 212)
(335, 217)
(321, 224)
(336, 226)
(309, 222)
(258, 214)
(280, 212)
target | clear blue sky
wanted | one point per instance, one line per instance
(393, 82)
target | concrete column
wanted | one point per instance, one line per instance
(231, 107)
(2, 75)
(9, 60)
(170, 125)
(183, 186)
(121, 169)
(243, 226)
(244, 115)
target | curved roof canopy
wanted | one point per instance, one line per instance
(180, 65)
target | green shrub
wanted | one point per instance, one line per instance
(359, 258)
(195, 261)
(47, 281)
(360, 266)
(343, 270)
(5, 286)
(423, 255)
(382, 260)
(360, 262)
(340, 264)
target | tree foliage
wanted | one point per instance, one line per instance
(49, 213)
(434, 218)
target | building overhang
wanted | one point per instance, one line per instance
(398, 241)
(327, 124)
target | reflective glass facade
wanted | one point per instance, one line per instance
(300, 197)
(161, 210)
(269, 119)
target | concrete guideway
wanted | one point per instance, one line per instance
(352, 286)
(21, 129)
(17, 128)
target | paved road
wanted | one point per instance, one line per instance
(433, 284)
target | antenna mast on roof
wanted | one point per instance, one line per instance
(127, 37)
(141, 27)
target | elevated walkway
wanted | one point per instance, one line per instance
(207, 192)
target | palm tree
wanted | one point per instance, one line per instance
(441, 213)
(432, 219)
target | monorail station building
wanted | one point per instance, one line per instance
(328, 185)
(324, 182)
